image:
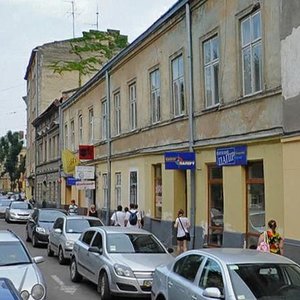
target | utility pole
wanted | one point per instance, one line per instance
(73, 15)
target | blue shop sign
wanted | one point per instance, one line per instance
(180, 161)
(71, 180)
(231, 156)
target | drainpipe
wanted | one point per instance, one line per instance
(60, 147)
(107, 79)
(37, 114)
(191, 123)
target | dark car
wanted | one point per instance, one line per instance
(40, 223)
(8, 290)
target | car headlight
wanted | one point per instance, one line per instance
(38, 292)
(40, 229)
(123, 270)
(69, 244)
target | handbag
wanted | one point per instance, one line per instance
(187, 234)
(264, 245)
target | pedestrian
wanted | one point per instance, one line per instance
(182, 224)
(132, 217)
(92, 212)
(118, 217)
(73, 208)
(141, 214)
(274, 239)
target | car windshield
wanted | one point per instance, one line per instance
(265, 281)
(50, 215)
(79, 225)
(20, 205)
(13, 253)
(133, 243)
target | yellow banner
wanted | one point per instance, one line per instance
(70, 161)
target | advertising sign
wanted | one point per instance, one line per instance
(85, 185)
(86, 152)
(71, 180)
(180, 161)
(231, 156)
(85, 172)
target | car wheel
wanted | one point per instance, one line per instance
(50, 253)
(103, 287)
(35, 241)
(7, 220)
(61, 258)
(27, 237)
(75, 276)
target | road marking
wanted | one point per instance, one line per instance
(63, 287)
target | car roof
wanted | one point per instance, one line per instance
(51, 209)
(78, 217)
(119, 229)
(242, 256)
(8, 236)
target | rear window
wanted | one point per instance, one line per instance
(265, 281)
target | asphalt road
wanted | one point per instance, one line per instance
(57, 276)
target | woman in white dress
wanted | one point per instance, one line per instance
(182, 224)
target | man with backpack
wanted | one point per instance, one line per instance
(133, 217)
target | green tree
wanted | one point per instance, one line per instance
(10, 148)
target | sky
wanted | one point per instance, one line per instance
(26, 24)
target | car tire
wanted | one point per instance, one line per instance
(7, 220)
(50, 252)
(103, 287)
(28, 239)
(35, 241)
(61, 258)
(75, 276)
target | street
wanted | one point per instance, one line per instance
(57, 276)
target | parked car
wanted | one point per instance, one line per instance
(18, 211)
(227, 274)
(8, 290)
(120, 261)
(66, 230)
(4, 204)
(40, 223)
(17, 265)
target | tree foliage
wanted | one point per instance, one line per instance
(10, 148)
(91, 50)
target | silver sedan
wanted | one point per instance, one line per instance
(121, 261)
(231, 274)
(18, 211)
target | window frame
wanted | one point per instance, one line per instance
(157, 187)
(91, 125)
(105, 190)
(80, 129)
(155, 100)
(117, 108)
(72, 128)
(118, 188)
(132, 90)
(133, 187)
(104, 118)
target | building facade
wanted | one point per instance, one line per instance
(210, 77)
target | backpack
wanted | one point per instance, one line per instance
(133, 218)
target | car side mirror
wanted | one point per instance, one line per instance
(212, 292)
(58, 230)
(170, 250)
(95, 249)
(38, 259)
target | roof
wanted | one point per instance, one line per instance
(242, 256)
(8, 236)
(119, 229)
(126, 51)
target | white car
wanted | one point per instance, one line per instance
(66, 230)
(18, 211)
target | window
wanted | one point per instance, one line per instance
(212, 276)
(105, 190)
(66, 136)
(87, 237)
(211, 71)
(155, 96)
(97, 242)
(118, 188)
(91, 125)
(104, 119)
(80, 130)
(46, 151)
(215, 206)
(178, 86)
(187, 267)
(132, 106)
(117, 105)
(251, 53)
(133, 187)
(255, 201)
(157, 191)
(72, 135)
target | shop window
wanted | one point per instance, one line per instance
(157, 191)
(255, 201)
(215, 206)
